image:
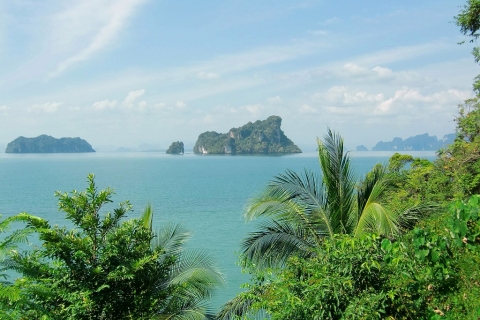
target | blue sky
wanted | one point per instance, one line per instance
(127, 72)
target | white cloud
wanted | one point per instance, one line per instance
(413, 98)
(105, 104)
(180, 105)
(4, 109)
(208, 118)
(318, 32)
(330, 21)
(307, 109)
(354, 69)
(142, 105)
(254, 109)
(383, 72)
(343, 95)
(207, 75)
(133, 95)
(109, 18)
(48, 107)
(275, 100)
(401, 53)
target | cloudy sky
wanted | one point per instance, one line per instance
(127, 72)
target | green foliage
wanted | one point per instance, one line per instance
(258, 137)
(468, 20)
(455, 174)
(106, 268)
(11, 295)
(430, 272)
(398, 161)
(299, 211)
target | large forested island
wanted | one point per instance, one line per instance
(421, 142)
(48, 144)
(260, 137)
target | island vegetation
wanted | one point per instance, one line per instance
(260, 137)
(401, 242)
(176, 148)
(48, 144)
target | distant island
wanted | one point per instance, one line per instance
(422, 142)
(361, 148)
(176, 148)
(260, 137)
(48, 144)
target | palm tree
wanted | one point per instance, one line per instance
(11, 295)
(192, 278)
(298, 210)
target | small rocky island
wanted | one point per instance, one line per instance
(260, 137)
(48, 144)
(422, 142)
(176, 148)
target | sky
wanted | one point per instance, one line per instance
(121, 73)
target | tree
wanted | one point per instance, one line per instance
(301, 209)
(11, 295)
(431, 272)
(298, 211)
(106, 268)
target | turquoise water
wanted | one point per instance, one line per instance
(205, 193)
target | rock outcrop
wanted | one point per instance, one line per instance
(422, 142)
(361, 148)
(260, 137)
(176, 148)
(48, 144)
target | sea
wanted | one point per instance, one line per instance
(205, 193)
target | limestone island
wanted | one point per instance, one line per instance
(176, 148)
(48, 144)
(422, 142)
(260, 137)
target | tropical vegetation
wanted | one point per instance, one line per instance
(314, 258)
(401, 243)
(106, 268)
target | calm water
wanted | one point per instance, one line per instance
(205, 193)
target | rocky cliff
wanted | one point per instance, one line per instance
(176, 148)
(260, 137)
(48, 144)
(422, 142)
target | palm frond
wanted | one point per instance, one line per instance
(171, 238)
(276, 241)
(147, 217)
(338, 180)
(195, 270)
(409, 217)
(294, 197)
(373, 216)
(241, 306)
(192, 281)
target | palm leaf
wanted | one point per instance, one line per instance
(275, 242)
(171, 238)
(338, 180)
